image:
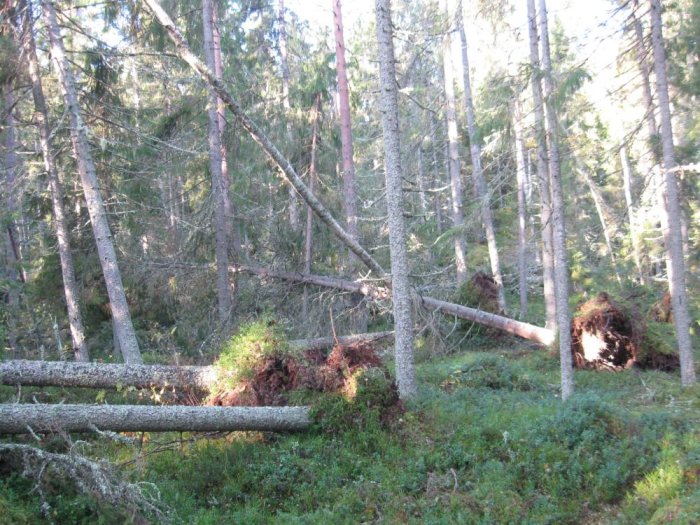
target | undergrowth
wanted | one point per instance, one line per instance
(486, 441)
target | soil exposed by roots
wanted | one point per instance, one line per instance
(609, 336)
(274, 376)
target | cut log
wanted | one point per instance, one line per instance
(24, 418)
(70, 374)
(103, 375)
(525, 330)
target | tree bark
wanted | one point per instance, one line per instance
(349, 182)
(457, 191)
(70, 287)
(93, 198)
(542, 172)
(561, 264)
(673, 238)
(105, 375)
(401, 291)
(524, 330)
(218, 189)
(287, 170)
(521, 181)
(24, 419)
(309, 228)
(480, 187)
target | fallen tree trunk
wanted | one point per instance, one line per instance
(525, 330)
(103, 375)
(70, 374)
(322, 343)
(25, 418)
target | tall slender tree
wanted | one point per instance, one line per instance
(480, 187)
(218, 190)
(70, 287)
(456, 189)
(671, 223)
(347, 152)
(561, 264)
(293, 201)
(542, 170)
(124, 329)
(401, 292)
(521, 180)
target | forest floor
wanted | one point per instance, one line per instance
(486, 441)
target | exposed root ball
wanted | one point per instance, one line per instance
(607, 336)
(274, 376)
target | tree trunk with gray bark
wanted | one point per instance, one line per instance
(93, 198)
(673, 237)
(542, 171)
(70, 287)
(218, 190)
(480, 187)
(401, 291)
(456, 189)
(25, 418)
(561, 264)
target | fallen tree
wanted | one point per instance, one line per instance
(26, 418)
(525, 330)
(70, 374)
(104, 375)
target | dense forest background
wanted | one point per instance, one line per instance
(145, 118)
(498, 192)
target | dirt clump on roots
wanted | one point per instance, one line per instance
(273, 377)
(610, 335)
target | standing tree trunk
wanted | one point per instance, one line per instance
(293, 203)
(521, 177)
(561, 264)
(70, 286)
(480, 187)
(673, 238)
(403, 315)
(453, 156)
(542, 172)
(349, 181)
(309, 231)
(88, 176)
(218, 190)
(232, 232)
(10, 233)
(631, 213)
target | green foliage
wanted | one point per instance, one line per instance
(254, 341)
(490, 371)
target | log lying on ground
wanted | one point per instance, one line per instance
(103, 375)
(525, 330)
(70, 374)
(25, 418)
